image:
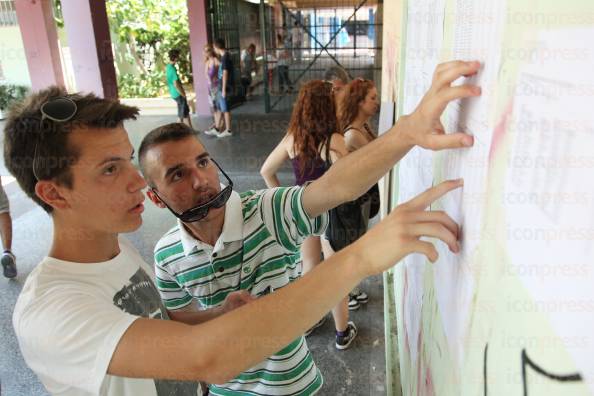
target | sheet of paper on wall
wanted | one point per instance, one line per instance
(415, 175)
(386, 117)
(424, 37)
(550, 188)
(478, 32)
(423, 46)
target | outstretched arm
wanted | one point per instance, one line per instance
(353, 175)
(221, 348)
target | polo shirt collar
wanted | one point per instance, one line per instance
(232, 228)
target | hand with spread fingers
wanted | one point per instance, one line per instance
(399, 234)
(424, 125)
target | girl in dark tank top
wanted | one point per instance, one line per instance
(312, 136)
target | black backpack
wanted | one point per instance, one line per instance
(346, 223)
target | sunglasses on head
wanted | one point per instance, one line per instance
(199, 212)
(61, 109)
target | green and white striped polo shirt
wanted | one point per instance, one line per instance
(257, 251)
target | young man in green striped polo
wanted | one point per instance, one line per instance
(225, 241)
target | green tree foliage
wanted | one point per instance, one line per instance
(10, 94)
(151, 28)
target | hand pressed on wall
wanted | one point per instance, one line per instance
(425, 127)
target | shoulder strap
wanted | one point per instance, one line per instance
(348, 128)
(369, 132)
(366, 132)
(328, 159)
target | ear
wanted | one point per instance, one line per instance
(50, 193)
(151, 195)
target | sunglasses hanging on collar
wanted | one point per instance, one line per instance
(199, 212)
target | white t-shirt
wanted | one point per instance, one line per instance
(282, 55)
(70, 317)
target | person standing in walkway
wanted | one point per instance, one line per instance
(312, 128)
(211, 71)
(296, 41)
(225, 87)
(8, 259)
(283, 57)
(176, 89)
(248, 67)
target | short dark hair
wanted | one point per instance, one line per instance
(173, 54)
(219, 43)
(166, 133)
(30, 139)
(337, 73)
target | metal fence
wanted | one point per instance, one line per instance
(225, 22)
(306, 36)
(317, 35)
(8, 15)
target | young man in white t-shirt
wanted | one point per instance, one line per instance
(88, 320)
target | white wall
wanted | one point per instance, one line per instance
(13, 62)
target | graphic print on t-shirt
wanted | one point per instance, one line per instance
(140, 297)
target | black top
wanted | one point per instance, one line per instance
(226, 64)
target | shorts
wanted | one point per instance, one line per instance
(183, 110)
(221, 103)
(212, 99)
(4, 207)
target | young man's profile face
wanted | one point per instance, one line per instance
(106, 194)
(184, 175)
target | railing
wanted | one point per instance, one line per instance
(8, 15)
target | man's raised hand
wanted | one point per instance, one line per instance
(423, 126)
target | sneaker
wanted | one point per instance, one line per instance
(360, 296)
(225, 133)
(9, 265)
(212, 132)
(353, 303)
(345, 341)
(311, 329)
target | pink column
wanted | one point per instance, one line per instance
(90, 46)
(40, 40)
(198, 39)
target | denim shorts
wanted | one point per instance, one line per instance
(183, 110)
(221, 103)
